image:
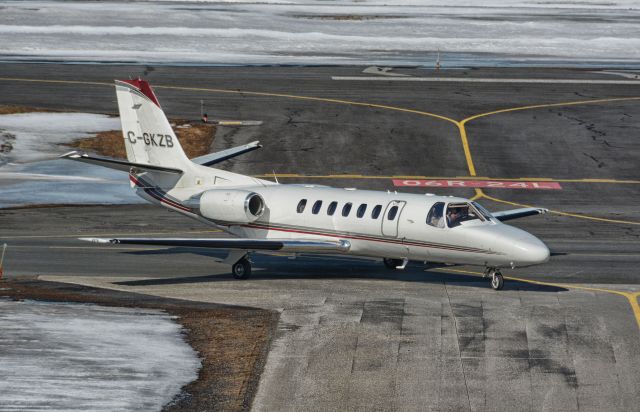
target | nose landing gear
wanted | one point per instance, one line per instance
(497, 280)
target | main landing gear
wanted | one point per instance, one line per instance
(241, 269)
(395, 263)
(497, 281)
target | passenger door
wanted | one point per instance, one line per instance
(391, 218)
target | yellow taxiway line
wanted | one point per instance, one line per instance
(632, 297)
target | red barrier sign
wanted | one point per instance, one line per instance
(489, 184)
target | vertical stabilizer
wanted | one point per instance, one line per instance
(148, 136)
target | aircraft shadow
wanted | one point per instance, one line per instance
(266, 267)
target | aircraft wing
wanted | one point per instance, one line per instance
(518, 213)
(217, 157)
(280, 245)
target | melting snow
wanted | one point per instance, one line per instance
(66, 357)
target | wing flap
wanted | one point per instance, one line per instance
(282, 245)
(518, 213)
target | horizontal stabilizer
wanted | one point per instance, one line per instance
(281, 245)
(213, 158)
(518, 213)
(117, 164)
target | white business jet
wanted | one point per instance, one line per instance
(269, 217)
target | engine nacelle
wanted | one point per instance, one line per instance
(237, 206)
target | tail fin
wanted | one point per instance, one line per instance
(148, 136)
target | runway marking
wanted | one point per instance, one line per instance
(107, 234)
(494, 184)
(483, 80)
(632, 297)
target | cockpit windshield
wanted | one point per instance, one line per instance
(482, 210)
(458, 213)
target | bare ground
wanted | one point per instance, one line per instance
(231, 341)
(195, 138)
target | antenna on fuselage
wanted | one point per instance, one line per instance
(275, 176)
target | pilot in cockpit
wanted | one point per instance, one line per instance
(453, 216)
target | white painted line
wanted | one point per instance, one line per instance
(482, 80)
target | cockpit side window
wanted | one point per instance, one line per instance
(484, 212)
(461, 212)
(436, 215)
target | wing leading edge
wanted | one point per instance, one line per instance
(281, 245)
(518, 213)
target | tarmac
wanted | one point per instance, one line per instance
(353, 335)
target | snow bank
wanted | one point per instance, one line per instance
(37, 136)
(474, 32)
(31, 173)
(87, 357)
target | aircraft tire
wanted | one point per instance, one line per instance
(392, 263)
(497, 281)
(241, 269)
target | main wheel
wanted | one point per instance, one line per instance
(392, 263)
(497, 281)
(241, 269)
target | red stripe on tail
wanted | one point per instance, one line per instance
(144, 88)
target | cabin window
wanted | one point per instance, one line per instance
(346, 209)
(436, 215)
(316, 207)
(457, 213)
(301, 205)
(376, 211)
(392, 213)
(332, 208)
(361, 210)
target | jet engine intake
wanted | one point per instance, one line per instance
(233, 206)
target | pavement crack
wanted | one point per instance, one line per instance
(455, 323)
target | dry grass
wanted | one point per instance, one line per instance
(196, 140)
(21, 109)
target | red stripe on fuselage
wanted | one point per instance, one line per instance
(160, 198)
(365, 238)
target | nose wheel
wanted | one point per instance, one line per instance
(497, 280)
(241, 269)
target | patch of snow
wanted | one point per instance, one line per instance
(63, 357)
(477, 32)
(27, 179)
(39, 135)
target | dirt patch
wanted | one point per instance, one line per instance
(195, 139)
(232, 341)
(21, 109)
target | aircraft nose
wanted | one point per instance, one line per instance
(529, 250)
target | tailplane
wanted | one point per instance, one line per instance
(148, 136)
